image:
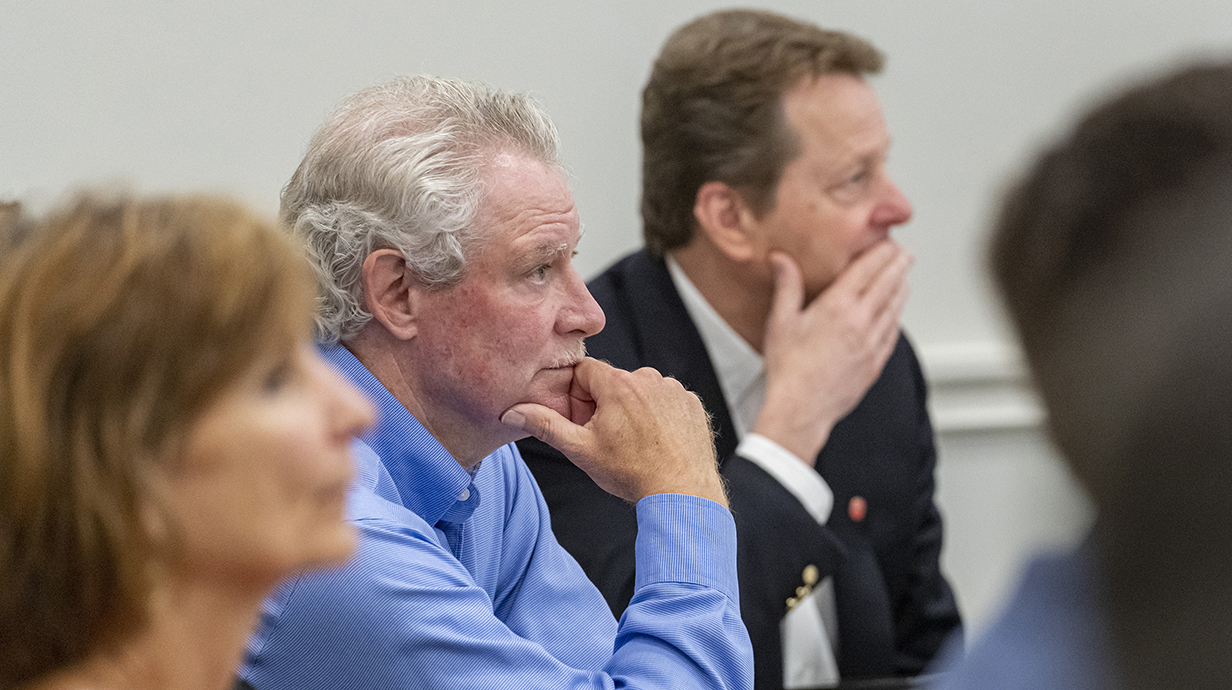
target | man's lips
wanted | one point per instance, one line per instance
(565, 361)
(560, 371)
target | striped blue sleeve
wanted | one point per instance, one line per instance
(406, 613)
(684, 619)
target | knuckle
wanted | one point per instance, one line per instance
(620, 378)
(648, 373)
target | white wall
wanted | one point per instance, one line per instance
(1001, 487)
(223, 94)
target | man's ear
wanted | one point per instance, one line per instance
(390, 292)
(723, 216)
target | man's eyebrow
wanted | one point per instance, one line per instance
(543, 253)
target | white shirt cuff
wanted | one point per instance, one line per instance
(794, 474)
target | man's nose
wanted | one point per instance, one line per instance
(894, 208)
(581, 313)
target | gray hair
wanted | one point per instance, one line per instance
(400, 165)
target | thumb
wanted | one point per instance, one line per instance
(545, 424)
(788, 286)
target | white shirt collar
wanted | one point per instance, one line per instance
(737, 365)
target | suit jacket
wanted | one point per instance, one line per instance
(894, 607)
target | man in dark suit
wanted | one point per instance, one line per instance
(770, 287)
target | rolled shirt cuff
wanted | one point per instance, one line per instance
(682, 538)
(797, 476)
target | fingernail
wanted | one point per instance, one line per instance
(513, 418)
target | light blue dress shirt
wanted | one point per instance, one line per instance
(1052, 635)
(458, 582)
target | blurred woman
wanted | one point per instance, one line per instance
(170, 444)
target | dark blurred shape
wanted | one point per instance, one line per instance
(1114, 255)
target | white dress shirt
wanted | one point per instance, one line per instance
(810, 629)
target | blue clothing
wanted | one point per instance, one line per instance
(459, 582)
(1053, 635)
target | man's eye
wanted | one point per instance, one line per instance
(541, 272)
(851, 188)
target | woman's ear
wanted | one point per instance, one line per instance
(152, 511)
(724, 217)
(390, 292)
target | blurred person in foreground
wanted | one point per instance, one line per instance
(1114, 257)
(171, 446)
(443, 232)
(771, 286)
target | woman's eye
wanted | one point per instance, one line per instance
(276, 379)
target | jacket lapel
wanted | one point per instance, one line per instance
(665, 337)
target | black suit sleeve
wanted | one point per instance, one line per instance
(776, 540)
(926, 613)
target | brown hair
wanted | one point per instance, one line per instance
(712, 111)
(1112, 256)
(12, 224)
(120, 320)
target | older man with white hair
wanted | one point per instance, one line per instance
(442, 230)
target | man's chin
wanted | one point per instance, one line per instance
(551, 389)
(558, 403)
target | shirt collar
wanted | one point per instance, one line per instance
(736, 364)
(429, 480)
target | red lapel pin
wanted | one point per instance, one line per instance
(857, 508)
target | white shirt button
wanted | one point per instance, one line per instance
(466, 493)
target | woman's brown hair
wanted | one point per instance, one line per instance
(121, 319)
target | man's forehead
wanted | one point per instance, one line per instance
(837, 111)
(507, 169)
(527, 213)
(520, 187)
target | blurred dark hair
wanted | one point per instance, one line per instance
(1113, 255)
